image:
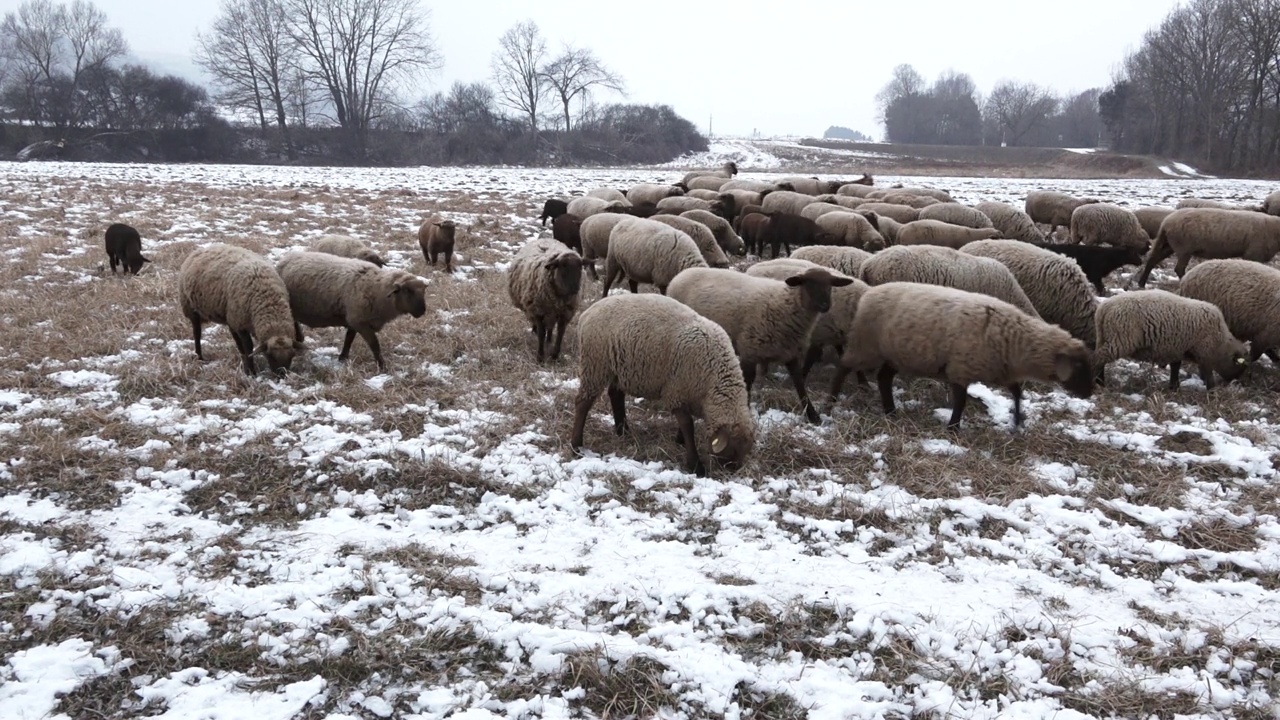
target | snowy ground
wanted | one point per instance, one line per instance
(181, 541)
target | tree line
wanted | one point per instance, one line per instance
(313, 81)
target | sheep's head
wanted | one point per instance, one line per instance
(644, 210)
(564, 272)
(1129, 256)
(864, 180)
(615, 207)
(279, 351)
(410, 294)
(731, 443)
(1072, 368)
(370, 256)
(815, 287)
(1235, 360)
(873, 241)
(447, 228)
(136, 262)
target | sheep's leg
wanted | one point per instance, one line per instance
(560, 326)
(1206, 374)
(297, 331)
(540, 329)
(885, 379)
(797, 379)
(590, 266)
(959, 396)
(1016, 391)
(371, 339)
(811, 358)
(114, 261)
(618, 401)
(837, 382)
(196, 333)
(691, 460)
(1180, 268)
(748, 375)
(346, 345)
(580, 410)
(1097, 285)
(1274, 357)
(1174, 379)
(448, 260)
(244, 343)
(1159, 254)
(633, 286)
(612, 272)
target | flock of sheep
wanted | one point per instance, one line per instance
(895, 280)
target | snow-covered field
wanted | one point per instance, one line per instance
(182, 541)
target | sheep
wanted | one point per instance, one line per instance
(1053, 208)
(744, 211)
(1056, 286)
(701, 236)
(544, 282)
(956, 214)
(652, 193)
(708, 195)
(1164, 328)
(594, 233)
(846, 201)
(853, 229)
(1271, 205)
(855, 189)
(656, 348)
(585, 207)
(684, 203)
(787, 230)
(568, 229)
(643, 209)
(918, 202)
(935, 193)
(1107, 224)
(706, 182)
(330, 291)
(847, 260)
(1247, 293)
(901, 213)
(742, 198)
(348, 247)
(811, 185)
(1011, 222)
(726, 172)
(650, 252)
(721, 229)
(936, 232)
(833, 325)
(815, 210)
(887, 226)
(758, 186)
(755, 232)
(553, 208)
(962, 338)
(1186, 203)
(435, 237)
(124, 248)
(1097, 261)
(767, 320)
(786, 201)
(238, 288)
(934, 265)
(611, 195)
(1213, 234)
(1150, 217)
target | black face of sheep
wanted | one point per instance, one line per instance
(1239, 363)
(124, 248)
(279, 353)
(566, 274)
(815, 288)
(732, 167)
(730, 445)
(1074, 371)
(553, 208)
(644, 209)
(410, 294)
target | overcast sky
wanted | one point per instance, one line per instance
(789, 68)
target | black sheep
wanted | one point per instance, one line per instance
(124, 248)
(1097, 261)
(553, 208)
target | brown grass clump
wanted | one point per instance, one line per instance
(628, 688)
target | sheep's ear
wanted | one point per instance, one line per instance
(795, 280)
(873, 219)
(719, 442)
(841, 281)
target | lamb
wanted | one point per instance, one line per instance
(435, 237)
(330, 291)
(852, 229)
(1053, 208)
(811, 185)
(553, 208)
(726, 171)
(767, 320)
(1097, 261)
(238, 288)
(124, 248)
(1213, 234)
(934, 265)
(656, 348)
(1011, 222)
(1164, 328)
(936, 232)
(1104, 223)
(1150, 217)
(1056, 286)
(612, 195)
(543, 283)
(847, 260)
(650, 252)
(833, 325)
(348, 247)
(962, 338)
(585, 207)
(901, 213)
(652, 193)
(1247, 293)
(787, 230)
(594, 233)
(1271, 205)
(568, 229)
(721, 229)
(742, 198)
(786, 201)
(744, 211)
(701, 236)
(956, 214)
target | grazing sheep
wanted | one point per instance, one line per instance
(847, 260)
(755, 232)
(726, 238)
(585, 207)
(1213, 234)
(1164, 328)
(124, 248)
(833, 325)
(701, 236)
(742, 198)
(1056, 286)
(238, 288)
(853, 229)
(647, 251)
(435, 237)
(757, 186)
(543, 283)
(785, 229)
(935, 193)
(767, 320)
(1097, 261)
(1186, 203)
(815, 210)
(900, 213)
(706, 182)
(744, 211)
(1247, 293)
(961, 338)
(726, 171)
(330, 291)
(1107, 224)
(568, 229)
(956, 214)
(594, 233)
(684, 203)
(887, 226)
(811, 185)
(643, 210)
(1053, 208)
(918, 202)
(652, 193)
(553, 208)
(1150, 217)
(786, 201)
(656, 348)
(936, 232)
(348, 247)
(708, 195)
(855, 189)
(1271, 205)
(1012, 223)
(847, 201)
(612, 195)
(934, 265)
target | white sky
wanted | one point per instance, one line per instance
(746, 63)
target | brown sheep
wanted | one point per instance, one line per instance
(435, 237)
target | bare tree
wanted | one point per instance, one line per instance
(1019, 108)
(517, 70)
(574, 73)
(358, 50)
(904, 83)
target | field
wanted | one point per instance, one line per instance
(179, 540)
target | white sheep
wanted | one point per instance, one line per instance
(1056, 286)
(544, 282)
(1107, 224)
(701, 236)
(721, 229)
(1213, 234)
(1011, 222)
(1053, 208)
(853, 229)
(348, 247)
(936, 265)
(956, 214)
(651, 193)
(647, 251)
(1247, 293)
(586, 206)
(594, 233)
(936, 232)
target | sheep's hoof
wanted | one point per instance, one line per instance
(813, 417)
(700, 470)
